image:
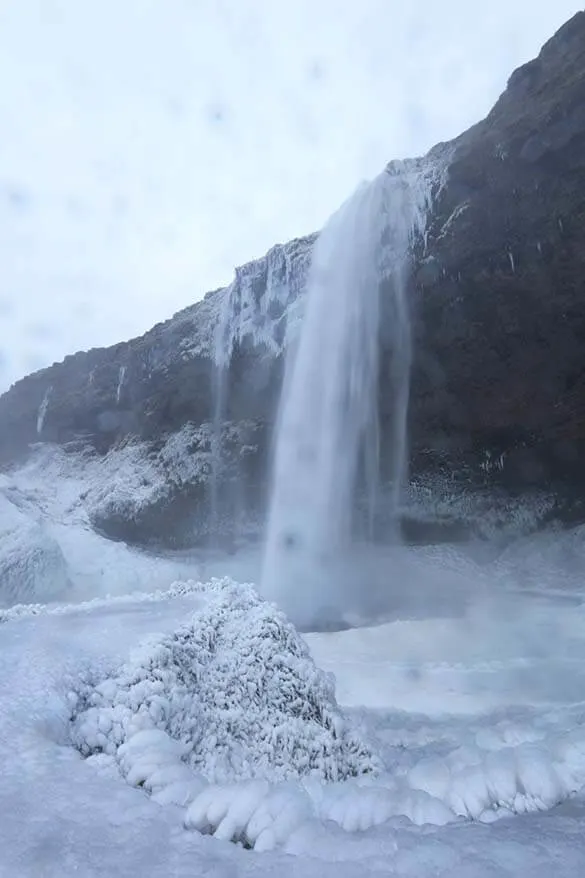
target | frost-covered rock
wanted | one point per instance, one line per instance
(32, 565)
(464, 508)
(144, 492)
(237, 688)
(263, 305)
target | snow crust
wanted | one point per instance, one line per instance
(502, 778)
(24, 611)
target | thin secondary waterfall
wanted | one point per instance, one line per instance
(328, 432)
(220, 374)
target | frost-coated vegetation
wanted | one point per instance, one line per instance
(236, 685)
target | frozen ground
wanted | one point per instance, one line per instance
(469, 695)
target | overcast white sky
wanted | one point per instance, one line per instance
(147, 147)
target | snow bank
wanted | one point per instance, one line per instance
(237, 687)
(497, 780)
(264, 816)
(54, 489)
(32, 565)
(471, 783)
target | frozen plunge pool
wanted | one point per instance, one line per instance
(475, 709)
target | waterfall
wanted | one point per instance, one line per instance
(121, 377)
(222, 351)
(253, 311)
(327, 434)
(42, 411)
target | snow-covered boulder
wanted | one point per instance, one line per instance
(237, 687)
(32, 565)
(153, 493)
(130, 491)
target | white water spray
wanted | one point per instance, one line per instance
(328, 421)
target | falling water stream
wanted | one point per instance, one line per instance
(328, 436)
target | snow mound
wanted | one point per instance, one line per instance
(32, 565)
(237, 687)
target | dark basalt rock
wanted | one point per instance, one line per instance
(500, 293)
(498, 303)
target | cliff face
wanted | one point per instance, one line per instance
(498, 304)
(501, 289)
(156, 383)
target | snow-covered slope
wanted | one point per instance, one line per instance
(48, 547)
